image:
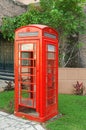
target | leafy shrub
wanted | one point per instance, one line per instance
(78, 88)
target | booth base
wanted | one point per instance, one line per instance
(34, 118)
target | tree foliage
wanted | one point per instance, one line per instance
(66, 16)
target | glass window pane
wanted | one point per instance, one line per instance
(51, 101)
(51, 56)
(28, 102)
(25, 70)
(51, 63)
(28, 47)
(26, 55)
(29, 71)
(26, 62)
(51, 70)
(29, 78)
(51, 48)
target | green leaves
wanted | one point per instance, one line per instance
(66, 16)
(8, 28)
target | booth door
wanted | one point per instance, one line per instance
(52, 68)
(28, 54)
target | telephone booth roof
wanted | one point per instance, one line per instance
(35, 30)
(39, 26)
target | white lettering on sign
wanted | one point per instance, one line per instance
(26, 34)
(49, 35)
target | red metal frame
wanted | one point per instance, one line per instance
(36, 72)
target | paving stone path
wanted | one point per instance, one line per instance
(11, 122)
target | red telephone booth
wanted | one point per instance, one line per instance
(36, 72)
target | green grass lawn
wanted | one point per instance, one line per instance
(73, 109)
(7, 101)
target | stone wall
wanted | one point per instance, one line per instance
(11, 8)
(28, 1)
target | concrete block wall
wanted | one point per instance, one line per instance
(68, 77)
